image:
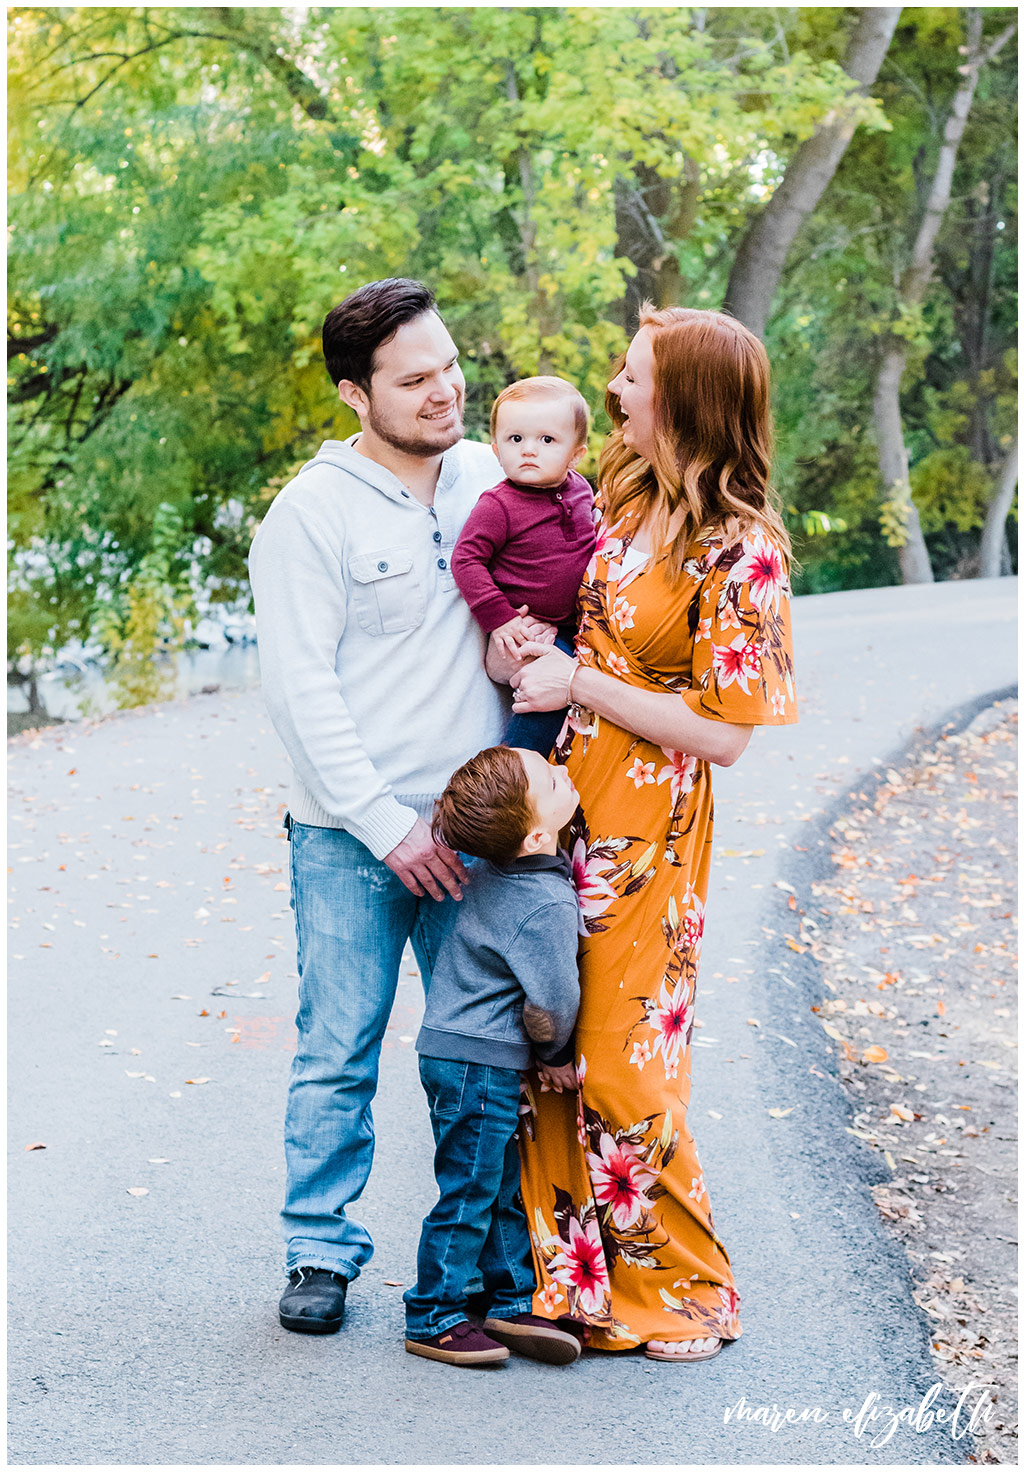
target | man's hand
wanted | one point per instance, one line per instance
(558, 1078)
(426, 867)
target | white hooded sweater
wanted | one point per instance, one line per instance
(371, 663)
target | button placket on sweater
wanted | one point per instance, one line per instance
(441, 544)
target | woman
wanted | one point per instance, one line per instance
(684, 647)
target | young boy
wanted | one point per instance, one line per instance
(504, 987)
(527, 542)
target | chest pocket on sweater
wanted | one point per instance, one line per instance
(388, 594)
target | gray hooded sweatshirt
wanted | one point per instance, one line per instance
(511, 950)
(371, 663)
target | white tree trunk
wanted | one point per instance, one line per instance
(915, 564)
(993, 538)
(894, 462)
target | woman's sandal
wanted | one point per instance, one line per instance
(685, 1359)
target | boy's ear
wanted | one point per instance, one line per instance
(534, 841)
(351, 394)
(577, 455)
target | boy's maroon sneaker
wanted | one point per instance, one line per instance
(535, 1337)
(462, 1344)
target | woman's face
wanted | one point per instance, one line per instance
(634, 384)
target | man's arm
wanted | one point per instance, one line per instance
(300, 602)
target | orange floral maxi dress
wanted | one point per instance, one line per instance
(619, 1214)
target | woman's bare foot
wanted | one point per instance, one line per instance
(683, 1349)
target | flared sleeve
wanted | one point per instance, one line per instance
(742, 652)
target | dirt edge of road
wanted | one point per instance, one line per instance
(790, 953)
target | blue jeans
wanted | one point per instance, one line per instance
(477, 1222)
(352, 919)
(538, 730)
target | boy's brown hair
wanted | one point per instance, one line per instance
(485, 810)
(550, 388)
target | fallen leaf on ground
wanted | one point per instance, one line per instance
(393, 1283)
(874, 1054)
(198, 1080)
(37, 1146)
(781, 1113)
(138, 1190)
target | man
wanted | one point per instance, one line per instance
(373, 674)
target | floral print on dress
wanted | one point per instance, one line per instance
(623, 1232)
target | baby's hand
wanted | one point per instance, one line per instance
(509, 636)
(557, 1078)
(538, 630)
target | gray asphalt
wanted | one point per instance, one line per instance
(147, 872)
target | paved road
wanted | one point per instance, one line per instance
(148, 879)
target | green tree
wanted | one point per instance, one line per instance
(192, 188)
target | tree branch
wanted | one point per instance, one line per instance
(761, 258)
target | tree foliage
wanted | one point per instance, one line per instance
(192, 189)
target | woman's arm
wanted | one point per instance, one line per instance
(664, 719)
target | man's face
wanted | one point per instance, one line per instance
(417, 390)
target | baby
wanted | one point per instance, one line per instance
(527, 542)
(504, 990)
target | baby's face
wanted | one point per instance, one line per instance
(536, 441)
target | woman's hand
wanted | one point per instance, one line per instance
(543, 682)
(662, 718)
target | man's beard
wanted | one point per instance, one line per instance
(422, 448)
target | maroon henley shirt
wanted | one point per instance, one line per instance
(526, 545)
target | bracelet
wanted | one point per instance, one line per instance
(568, 688)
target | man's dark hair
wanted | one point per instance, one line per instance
(358, 326)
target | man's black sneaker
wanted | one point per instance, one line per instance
(314, 1301)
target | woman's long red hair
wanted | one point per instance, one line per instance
(713, 435)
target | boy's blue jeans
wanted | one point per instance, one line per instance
(474, 1110)
(352, 919)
